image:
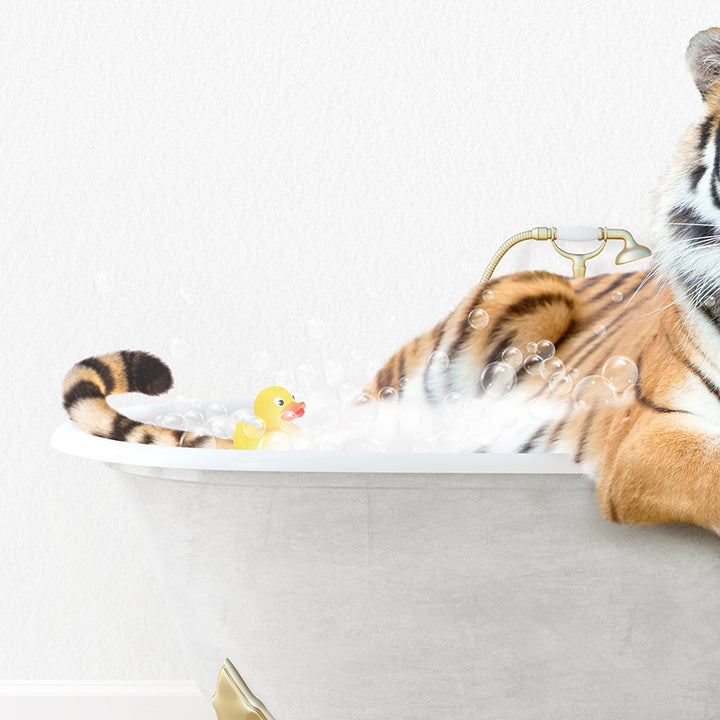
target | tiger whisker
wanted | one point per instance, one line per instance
(705, 237)
(656, 311)
(705, 224)
(650, 273)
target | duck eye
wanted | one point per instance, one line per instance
(279, 402)
(292, 396)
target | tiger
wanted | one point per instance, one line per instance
(654, 453)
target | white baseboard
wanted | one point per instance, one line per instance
(109, 702)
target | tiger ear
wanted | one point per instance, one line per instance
(703, 57)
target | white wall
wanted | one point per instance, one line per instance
(218, 173)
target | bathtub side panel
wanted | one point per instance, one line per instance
(509, 597)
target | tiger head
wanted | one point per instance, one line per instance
(686, 227)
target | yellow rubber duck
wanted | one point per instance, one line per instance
(276, 409)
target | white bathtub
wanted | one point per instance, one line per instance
(349, 586)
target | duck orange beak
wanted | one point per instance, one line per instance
(293, 411)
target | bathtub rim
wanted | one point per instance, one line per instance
(69, 439)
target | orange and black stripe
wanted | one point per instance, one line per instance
(90, 381)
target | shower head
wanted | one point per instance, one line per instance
(632, 250)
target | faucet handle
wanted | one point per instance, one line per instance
(573, 233)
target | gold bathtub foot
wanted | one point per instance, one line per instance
(233, 700)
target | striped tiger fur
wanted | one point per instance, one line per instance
(655, 454)
(91, 381)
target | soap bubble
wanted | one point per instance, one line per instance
(600, 330)
(448, 442)
(532, 348)
(364, 445)
(333, 372)
(538, 408)
(346, 391)
(215, 410)
(439, 361)
(221, 426)
(424, 443)
(301, 439)
(194, 419)
(286, 422)
(275, 441)
(593, 391)
(305, 374)
(199, 438)
(545, 349)
(186, 295)
(354, 354)
(388, 395)
(254, 428)
(184, 403)
(411, 420)
(621, 372)
(560, 383)
(260, 361)
(176, 421)
(371, 368)
(384, 428)
(160, 420)
(498, 379)
(476, 411)
(315, 329)
(709, 302)
(330, 419)
(482, 436)
(474, 440)
(617, 296)
(532, 364)
(513, 356)
(242, 415)
(404, 381)
(375, 446)
(329, 444)
(361, 411)
(506, 415)
(478, 319)
(488, 295)
(104, 283)
(453, 401)
(551, 366)
(178, 348)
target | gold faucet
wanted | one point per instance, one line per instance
(233, 699)
(631, 249)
